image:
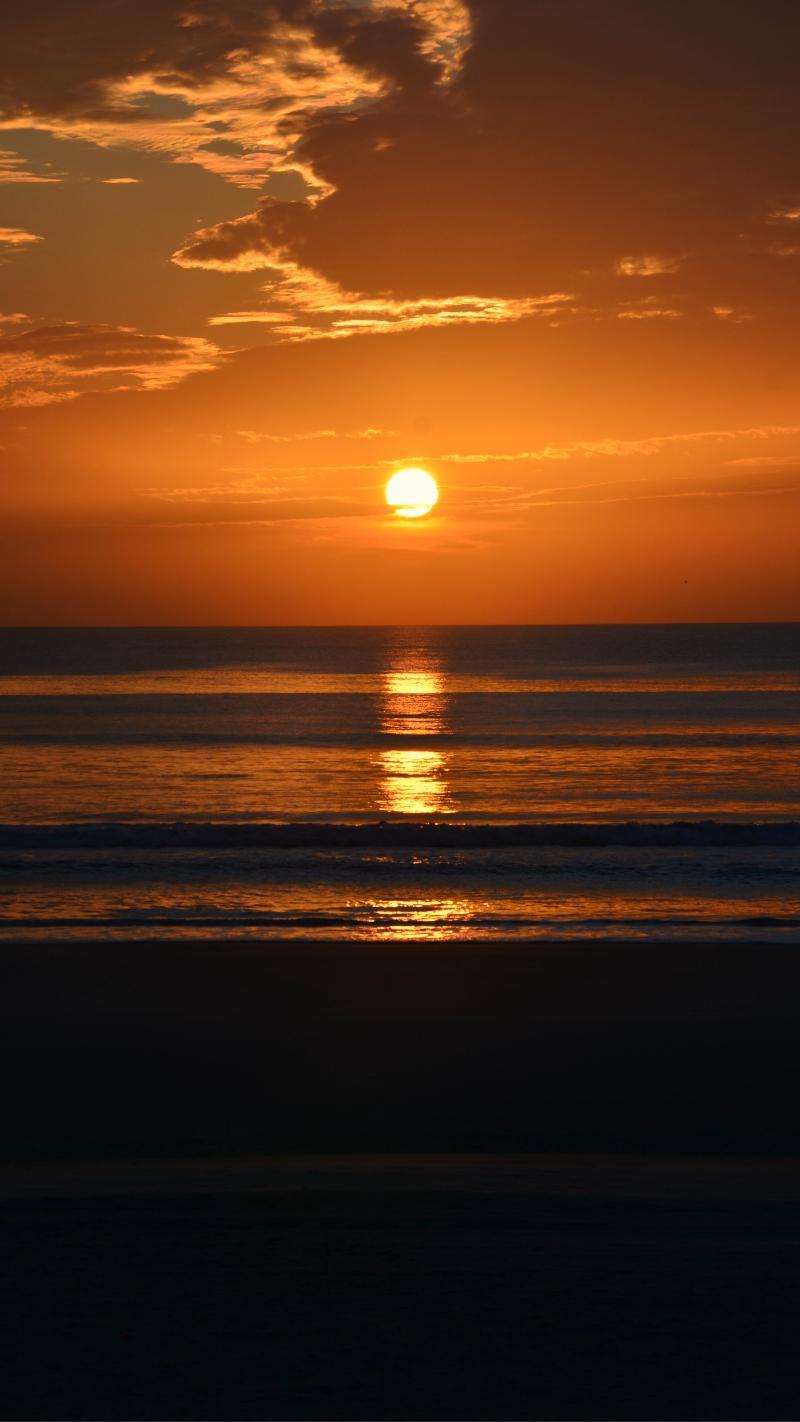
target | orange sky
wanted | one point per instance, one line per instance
(254, 257)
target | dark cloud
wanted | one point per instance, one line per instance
(59, 60)
(390, 45)
(581, 147)
(276, 230)
(578, 132)
(581, 143)
(169, 76)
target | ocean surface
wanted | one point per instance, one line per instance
(401, 782)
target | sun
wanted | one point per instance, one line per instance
(412, 493)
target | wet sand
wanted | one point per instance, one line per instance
(310, 1180)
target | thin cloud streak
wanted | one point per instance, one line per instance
(50, 364)
(369, 433)
(14, 169)
(16, 238)
(303, 305)
(618, 448)
(647, 265)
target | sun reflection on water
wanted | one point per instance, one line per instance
(428, 919)
(413, 683)
(413, 702)
(413, 782)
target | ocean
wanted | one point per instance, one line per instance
(401, 783)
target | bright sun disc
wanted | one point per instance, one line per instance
(412, 493)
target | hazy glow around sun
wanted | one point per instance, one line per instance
(412, 493)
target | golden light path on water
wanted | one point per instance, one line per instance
(430, 919)
(427, 745)
(413, 703)
(414, 781)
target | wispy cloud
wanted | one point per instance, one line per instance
(15, 169)
(56, 363)
(647, 264)
(371, 432)
(350, 314)
(766, 461)
(15, 239)
(303, 305)
(629, 495)
(725, 483)
(736, 314)
(650, 313)
(259, 496)
(619, 448)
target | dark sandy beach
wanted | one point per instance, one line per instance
(256, 1047)
(318, 1180)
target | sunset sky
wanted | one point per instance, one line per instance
(257, 256)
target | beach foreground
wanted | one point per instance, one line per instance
(275, 1047)
(279, 1180)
